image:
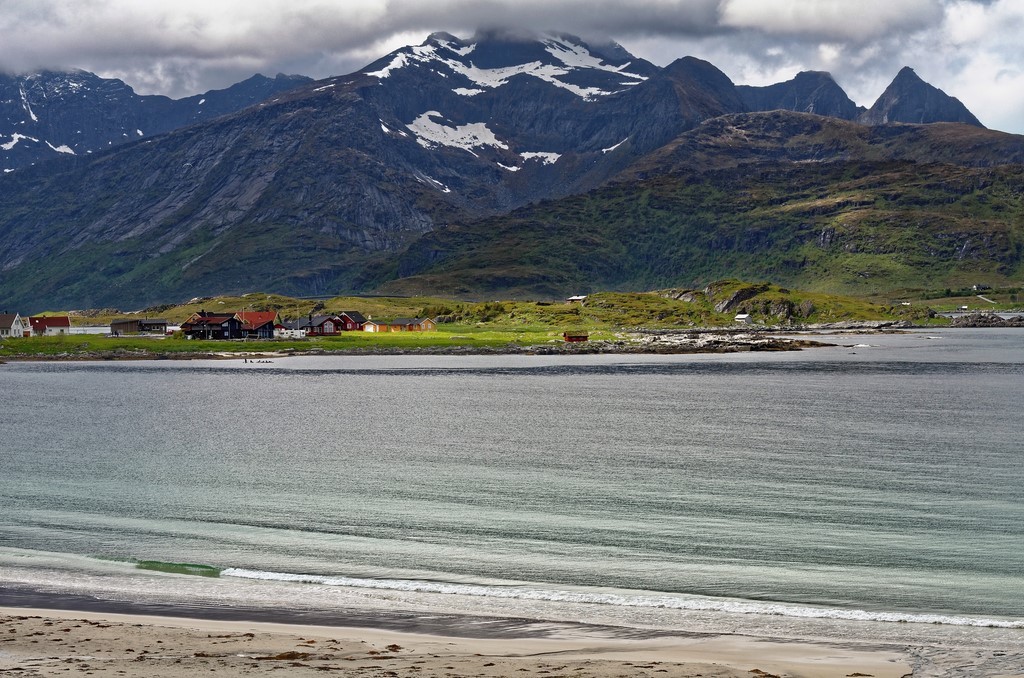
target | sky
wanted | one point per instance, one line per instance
(971, 49)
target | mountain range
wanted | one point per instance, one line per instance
(499, 164)
(49, 114)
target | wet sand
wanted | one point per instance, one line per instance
(58, 642)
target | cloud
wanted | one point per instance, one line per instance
(969, 48)
(832, 20)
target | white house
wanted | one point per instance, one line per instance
(743, 319)
(12, 325)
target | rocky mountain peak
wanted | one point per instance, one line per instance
(808, 92)
(909, 99)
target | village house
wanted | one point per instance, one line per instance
(50, 326)
(413, 325)
(122, 326)
(352, 321)
(258, 324)
(205, 325)
(13, 325)
(334, 324)
(400, 325)
(323, 326)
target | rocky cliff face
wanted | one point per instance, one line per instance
(51, 115)
(909, 99)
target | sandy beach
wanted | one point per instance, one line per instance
(53, 642)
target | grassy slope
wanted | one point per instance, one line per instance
(851, 228)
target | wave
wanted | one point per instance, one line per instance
(674, 602)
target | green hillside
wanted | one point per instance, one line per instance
(858, 227)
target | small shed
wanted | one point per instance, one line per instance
(743, 319)
(574, 337)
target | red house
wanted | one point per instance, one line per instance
(323, 326)
(352, 321)
(50, 325)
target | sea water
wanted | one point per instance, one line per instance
(873, 490)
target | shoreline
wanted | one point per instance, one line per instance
(657, 342)
(44, 642)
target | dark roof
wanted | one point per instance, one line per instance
(209, 320)
(7, 320)
(356, 316)
(320, 320)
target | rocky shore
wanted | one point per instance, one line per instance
(987, 320)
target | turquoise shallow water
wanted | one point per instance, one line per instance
(880, 481)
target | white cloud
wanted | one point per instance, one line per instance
(831, 19)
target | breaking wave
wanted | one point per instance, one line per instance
(665, 601)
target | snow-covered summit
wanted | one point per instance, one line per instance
(492, 59)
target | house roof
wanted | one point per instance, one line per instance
(41, 322)
(253, 319)
(355, 316)
(7, 320)
(408, 321)
(320, 320)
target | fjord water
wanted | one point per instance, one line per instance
(882, 480)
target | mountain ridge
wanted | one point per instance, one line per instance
(321, 187)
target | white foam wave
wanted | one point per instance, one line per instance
(676, 602)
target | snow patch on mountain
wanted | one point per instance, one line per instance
(612, 148)
(388, 130)
(15, 138)
(544, 158)
(401, 60)
(466, 92)
(433, 129)
(576, 56)
(423, 178)
(63, 148)
(26, 106)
